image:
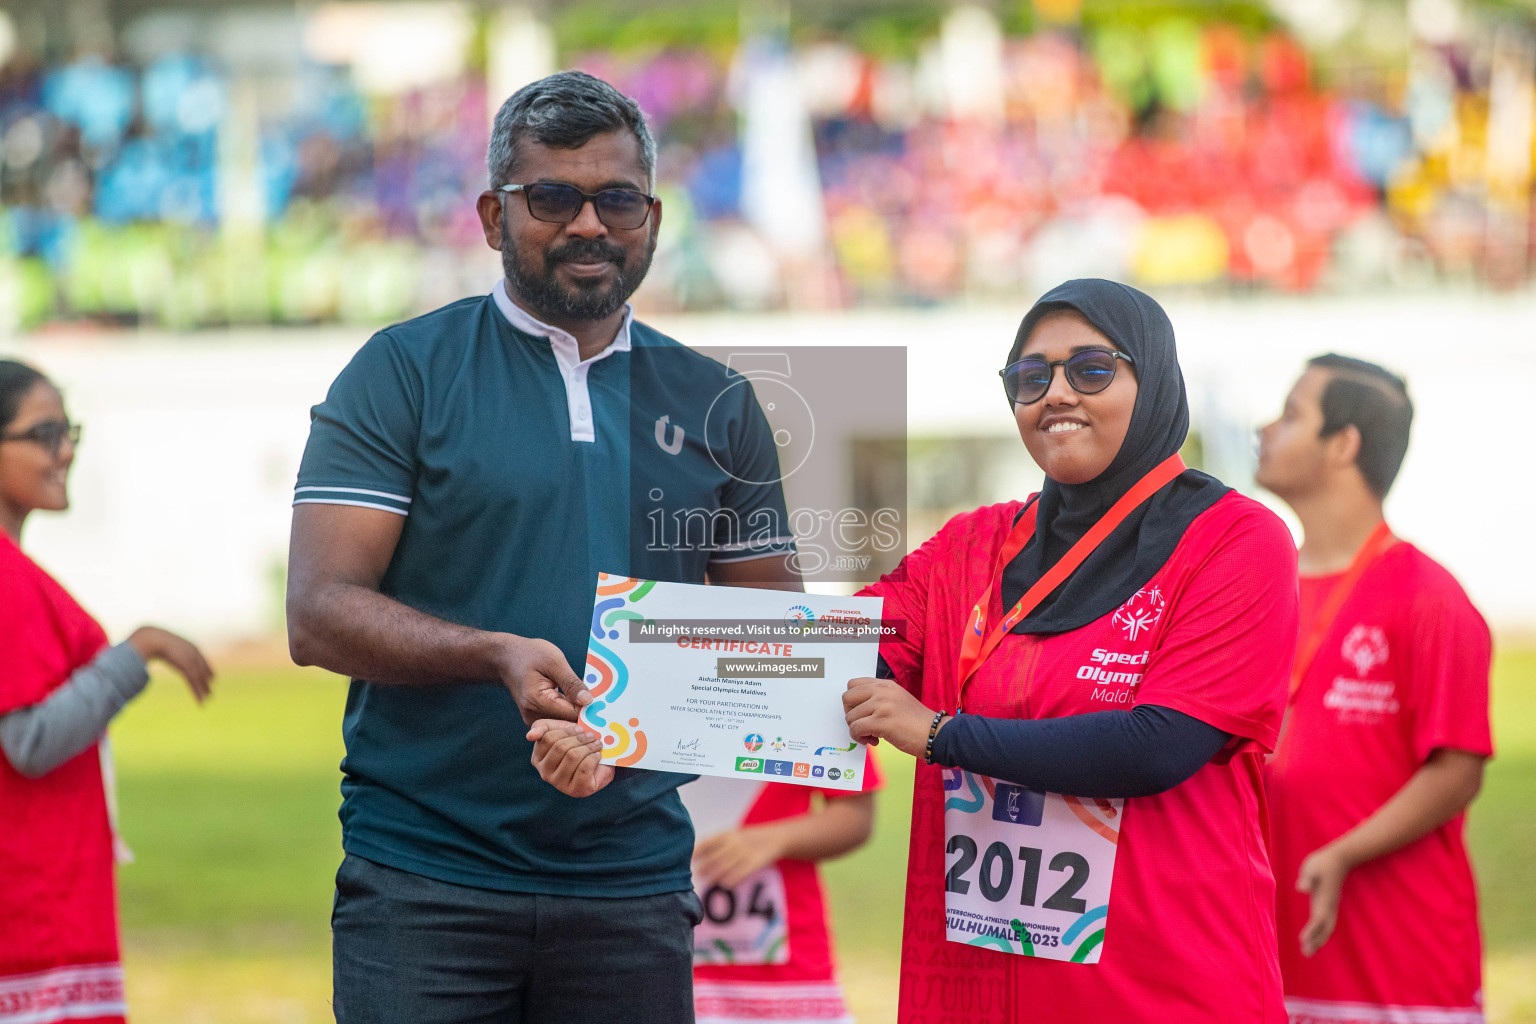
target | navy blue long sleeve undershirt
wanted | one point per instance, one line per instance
(1145, 750)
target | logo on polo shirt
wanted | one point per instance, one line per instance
(670, 447)
(1143, 611)
(1365, 647)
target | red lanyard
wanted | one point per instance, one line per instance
(973, 648)
(1380, 539)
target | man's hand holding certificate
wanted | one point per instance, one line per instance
(708, 680)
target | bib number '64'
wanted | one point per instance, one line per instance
(744, 925)
(1027, 872)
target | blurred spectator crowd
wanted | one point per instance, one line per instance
(1177, 154)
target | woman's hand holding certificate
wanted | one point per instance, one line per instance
(880, 709)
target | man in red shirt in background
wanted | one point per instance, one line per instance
(1386, 730)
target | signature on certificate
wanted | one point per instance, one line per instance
(689, 745)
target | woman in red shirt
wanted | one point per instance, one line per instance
(1090, 680)
(60, 684)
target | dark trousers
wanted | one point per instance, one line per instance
(412, 950)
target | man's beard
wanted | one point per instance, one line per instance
(537, 287)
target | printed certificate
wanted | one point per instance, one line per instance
(728, 681)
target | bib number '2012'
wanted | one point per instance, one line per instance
(998, 867)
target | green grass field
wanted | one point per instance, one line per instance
(231, 810)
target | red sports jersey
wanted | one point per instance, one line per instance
(1189, 935)
(58, 908)
(1401, 671)
(804, 988)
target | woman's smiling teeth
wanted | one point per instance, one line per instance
(1062, 426)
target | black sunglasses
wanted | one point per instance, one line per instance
(49, 434)
(554, 203)
(1089, 372)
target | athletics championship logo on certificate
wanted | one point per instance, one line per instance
(1027, 872)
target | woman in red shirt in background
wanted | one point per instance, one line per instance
(1088, 819)
(60, 684)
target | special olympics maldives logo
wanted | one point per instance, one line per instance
(1143, 611)
(754, 743)
(1365, 647)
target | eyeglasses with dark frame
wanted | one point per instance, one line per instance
(1090, 371)
(554, 202)
(49, 434)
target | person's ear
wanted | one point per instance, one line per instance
(1344, 447)
(491, 210)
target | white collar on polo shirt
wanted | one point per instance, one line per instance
(573, 369)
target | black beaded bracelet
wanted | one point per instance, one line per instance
(933, 730)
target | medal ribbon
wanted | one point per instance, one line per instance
(1378, 542)
(973, 648)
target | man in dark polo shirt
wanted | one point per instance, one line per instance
(468, 475)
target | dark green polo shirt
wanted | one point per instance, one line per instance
(521, 476)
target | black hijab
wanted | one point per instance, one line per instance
(1138, 547)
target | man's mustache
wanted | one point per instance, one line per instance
(587, 251)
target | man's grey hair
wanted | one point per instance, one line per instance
(564, 111)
